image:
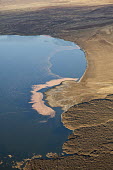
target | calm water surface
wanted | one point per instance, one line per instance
(27, 61)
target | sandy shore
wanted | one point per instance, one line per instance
(37, 97)
(97, 81)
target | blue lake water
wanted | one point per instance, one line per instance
(26, 61)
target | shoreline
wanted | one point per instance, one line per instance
(90, 83)
(37, 97)
(62, 48)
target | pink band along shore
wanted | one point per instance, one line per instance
(37, 97)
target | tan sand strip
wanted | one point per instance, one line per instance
(37, 97)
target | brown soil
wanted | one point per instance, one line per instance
(9, 5)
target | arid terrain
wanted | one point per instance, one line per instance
(39, 4)
(88, 104)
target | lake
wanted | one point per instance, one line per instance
(27, 63)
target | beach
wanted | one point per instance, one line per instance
(37, 97)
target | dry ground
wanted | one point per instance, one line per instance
(27, 5)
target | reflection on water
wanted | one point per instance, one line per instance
(24, 62)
